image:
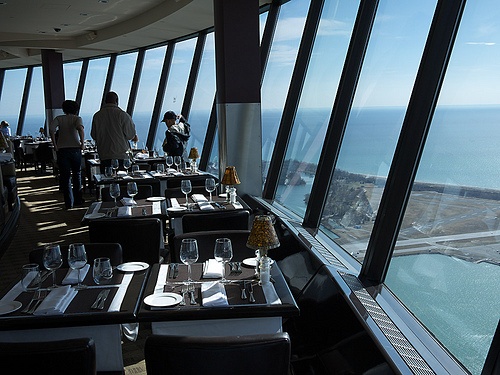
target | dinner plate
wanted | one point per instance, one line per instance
(132, 266)
(155, 199)
(252, 262)
(176, 209)
(8, 307)
(95, 215)
(163, 299)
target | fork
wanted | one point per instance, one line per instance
(41, 296)
(35, 297)
(184, 290)
(192, 299)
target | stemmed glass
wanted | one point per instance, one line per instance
(210, 187)
(127, 163)
(223, 253)
(108, 172)
(115, 164)
(77, 259)
(160, 168)
(114, 191)
(177, 162)
(189, 254)
(52, 260)
(186, 189)
(132, 191)
(169, 160)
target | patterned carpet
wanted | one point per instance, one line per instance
(44, 219)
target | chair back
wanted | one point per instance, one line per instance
(177, 193)
(144, 191)
(113, 251)
(220, 220)
(225, 355)
(141, 239)
(206, 244)
(61, 357)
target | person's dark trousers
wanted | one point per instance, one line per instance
(70, 165)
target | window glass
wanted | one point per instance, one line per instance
(313, 113)
(204, 95)
(122, 77)
(278, 72)
(147, 91)
(182, 60)
(35, 108)
(391, 63)
(71, 73)
(12, 94)
(93, 91)
(450, 275)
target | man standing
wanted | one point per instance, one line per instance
(176, 136)
(112, 128)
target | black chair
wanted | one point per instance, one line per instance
(226, 355)
(144, 191)
(141, 239)
(113, 251)
(43, 157)
(206, 242)
(220, 220)
(61, 357)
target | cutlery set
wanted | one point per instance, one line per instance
(173, 271)
(37, 299)
(235, 268)
(247, 287)
(101, 298)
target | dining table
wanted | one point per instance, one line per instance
(69, 313)
(215, 308)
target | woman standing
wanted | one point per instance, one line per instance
(69, 145)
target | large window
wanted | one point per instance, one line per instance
(320, 86)
(71, 73)
(123, 75)
(391, 63)
(35, 108)
(12, 93)
(445, 267)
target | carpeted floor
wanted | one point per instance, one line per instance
(43, 219)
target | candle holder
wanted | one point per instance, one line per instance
(230, 179)
(193, 155)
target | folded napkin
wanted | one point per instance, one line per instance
(97, 207)
(156, 208)
(72, 275)
(121, 173)
(127, 177)
(199, 198)
(140, 155)
(205, 206)
(127, 201)
(124, 211)
(270, 294)
(213, 294)
(171, 170)
(178, 174)
(237, 205)
(174, 202)
(212, 269)
(56, 301)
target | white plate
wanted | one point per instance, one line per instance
(176, 209)
(223, 195)
(132, 266)
(163, 299)
(95, 215)
(252, 262)
(8, 307)
(155, 199)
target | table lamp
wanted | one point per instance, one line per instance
(262, 238)
(230, 179)
(193, 155)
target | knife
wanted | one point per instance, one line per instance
(176, 270)
(103, 299)
(170, 274)
(97, 300)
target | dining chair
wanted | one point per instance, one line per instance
(72, 356)
(223, 355)
(219, 220)
(206, 242)
(144, 191)
(141, 239)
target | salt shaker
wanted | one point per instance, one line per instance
(265, 270)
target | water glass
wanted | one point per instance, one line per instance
(52, 260)
(169, 161)
(223, 253)
(210, 187)
(177, 162)
(30, 277)
(135, 169)
(189, 254)
(102, 270)
(108, 172)
(160, 168)
(115, 164)
(77, 259)
(186, 189)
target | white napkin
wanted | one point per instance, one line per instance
(212, 269)
(97, 207)
(270, 294)
(199, 198)
(171, 170)
(237, 205)
(57, 301)
(121, 173)
(140, 155)
(213, 294)
(127, 177)
(178, 173)
(124, 211)
(205, 206)
(156, 208)
(72, 275)
(174, 202)
(127, 201)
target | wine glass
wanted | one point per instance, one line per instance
(186, 189)
(160, 168)
(223, 253)
(52, 260)
(114, 191)
(132, 191)
(177, 162)
(189, 254)
(115, 164)
(169, 160)
(127, 164)
(77, 259)
(135, 169)
(108, 172)
(210, 187)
